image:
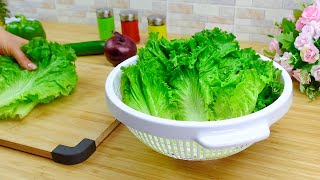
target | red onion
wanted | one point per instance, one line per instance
(119, 48)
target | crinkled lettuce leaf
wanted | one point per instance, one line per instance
(187, 94)
(21, 90)
(240, 100)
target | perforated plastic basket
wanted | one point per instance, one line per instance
(190, 140)
(185, 149)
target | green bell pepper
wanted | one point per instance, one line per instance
(25, 28)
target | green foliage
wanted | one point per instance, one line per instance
(286, 39)
(297, 13)
(4, 12)
(287, 26)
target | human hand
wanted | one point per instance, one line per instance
(10, 45)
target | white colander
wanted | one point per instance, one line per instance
(190, 140)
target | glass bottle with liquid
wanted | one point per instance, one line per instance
(105, 21)
(157, 24)
(130, 24)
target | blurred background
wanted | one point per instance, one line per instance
(249, 20)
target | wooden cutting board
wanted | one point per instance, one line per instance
(69, 129)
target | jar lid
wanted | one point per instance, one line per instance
(156, 20)
(128, 15)
(104, 12)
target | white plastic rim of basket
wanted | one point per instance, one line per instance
(211, 134)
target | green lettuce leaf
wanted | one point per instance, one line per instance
(241, 100)
(21, 90)
(144, 91)
(187, 95)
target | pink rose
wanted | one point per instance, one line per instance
(299, 24)
(316, 26)
(290, 18)
(286, 56)
(308, 29)
(315, 72)
(311, 13)
(309, 53)
(274, 46)
(302, 40)
(277, 58)
(301, 76)
(312, 28)
(284, 62)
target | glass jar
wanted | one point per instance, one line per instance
(105, 21)
(157, 24)
(130, 24)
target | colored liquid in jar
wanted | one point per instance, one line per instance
(106, 27)
(161, 30)
(131, 29)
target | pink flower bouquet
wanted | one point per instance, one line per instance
(295, 46)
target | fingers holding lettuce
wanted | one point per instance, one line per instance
(10, 45)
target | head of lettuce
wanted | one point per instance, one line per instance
(207, 77)
(21, 90)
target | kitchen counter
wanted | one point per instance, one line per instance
(291, 152)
